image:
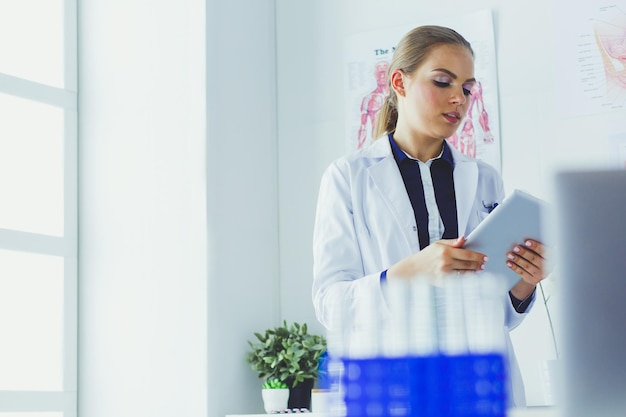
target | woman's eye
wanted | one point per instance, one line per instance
(441, 84)
(467, 90)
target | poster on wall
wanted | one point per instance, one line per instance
(591, 45)
(367, 57)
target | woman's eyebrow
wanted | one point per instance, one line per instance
(453, 75)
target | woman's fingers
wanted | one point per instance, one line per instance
(448, 256)
(442, 257)
(536, 247)
(460, 242)
(465, 259)
(527, 261)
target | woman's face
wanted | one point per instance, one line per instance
(434, 99)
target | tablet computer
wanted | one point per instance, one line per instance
(518, 218)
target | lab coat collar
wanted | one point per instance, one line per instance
(386, 176)
(401, 156)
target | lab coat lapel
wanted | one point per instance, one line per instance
(386, 177)
(465, 183)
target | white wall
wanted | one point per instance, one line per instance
(178, 204)
(142, 209)
(242, 191)
(536, 139)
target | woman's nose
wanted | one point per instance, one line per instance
(459, 97)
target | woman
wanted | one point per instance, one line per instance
(402, 206)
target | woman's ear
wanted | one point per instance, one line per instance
(397, 82)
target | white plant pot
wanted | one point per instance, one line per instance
(275, 399)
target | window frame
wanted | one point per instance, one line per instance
(66, 246)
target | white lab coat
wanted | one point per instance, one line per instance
(365, 223)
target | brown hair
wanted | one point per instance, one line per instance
(409, 54)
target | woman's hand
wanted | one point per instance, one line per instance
(442, 257)
(528, 261)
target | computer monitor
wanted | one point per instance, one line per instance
(590, 222)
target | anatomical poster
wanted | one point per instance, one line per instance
(591, 39)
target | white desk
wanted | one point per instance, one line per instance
(535, 412)
(520, 412)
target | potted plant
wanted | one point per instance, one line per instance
(289, 354)
(275, 395)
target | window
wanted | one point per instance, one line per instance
(38, 208)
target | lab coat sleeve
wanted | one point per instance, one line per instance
(339, 279)
(512, 317)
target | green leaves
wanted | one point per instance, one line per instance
(274, 384)
(286, 353)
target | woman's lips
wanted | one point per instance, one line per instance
(452, 117)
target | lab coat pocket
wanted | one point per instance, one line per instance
(478, 216)
(481, 214)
